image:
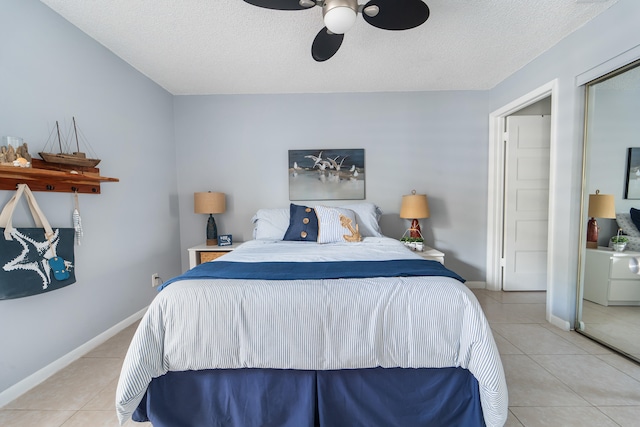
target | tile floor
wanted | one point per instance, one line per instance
(558, 378)
(81, 395)
(555, 378)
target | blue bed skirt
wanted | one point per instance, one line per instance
(291, 398)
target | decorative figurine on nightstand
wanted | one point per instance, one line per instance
(414, 243)
(619, 242)
(225, 240)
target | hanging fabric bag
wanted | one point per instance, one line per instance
(33, 260)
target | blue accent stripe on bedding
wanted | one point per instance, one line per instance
(315, 270)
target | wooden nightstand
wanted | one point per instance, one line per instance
(203, 253)
(431, 254)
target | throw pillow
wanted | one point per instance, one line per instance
(303, 224)
(635, 218)
(337, 225)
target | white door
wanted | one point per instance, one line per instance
(526, 203)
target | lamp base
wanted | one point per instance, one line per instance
(212, 232)
(415, 229)
(592, 234)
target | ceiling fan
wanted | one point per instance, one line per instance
(340, 15)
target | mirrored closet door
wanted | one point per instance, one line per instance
(609, 291)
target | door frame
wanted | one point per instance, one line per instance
(495, 196)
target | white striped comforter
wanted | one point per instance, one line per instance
(407, 322)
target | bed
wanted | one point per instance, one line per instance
(627, 222)
(296, 333)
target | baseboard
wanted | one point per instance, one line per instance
(38, 377)
(476, 285)
(559, 323)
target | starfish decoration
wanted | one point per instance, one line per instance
(34, 259)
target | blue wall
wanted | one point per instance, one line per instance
(50, 70)
(433, 142)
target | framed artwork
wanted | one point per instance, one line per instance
(327, 174)
(225, 240)
(632, 187)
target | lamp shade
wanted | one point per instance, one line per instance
(209, 203)
(601, 205)
(414, 206)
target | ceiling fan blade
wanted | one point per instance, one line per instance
(325, 45)
(280, 4)
(397, 14)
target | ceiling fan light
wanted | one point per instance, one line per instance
(339, 19)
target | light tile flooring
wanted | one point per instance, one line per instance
(558, 378)
(555, 378)
(81, 395)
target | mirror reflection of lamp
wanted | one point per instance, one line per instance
(210, 203)
(600, 206)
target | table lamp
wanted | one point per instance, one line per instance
(414, 206)
(600, 206)
(209, 203)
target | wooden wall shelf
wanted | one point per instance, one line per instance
(44, 176)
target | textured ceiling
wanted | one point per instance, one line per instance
(231, 47)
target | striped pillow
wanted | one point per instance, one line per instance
(336, 225)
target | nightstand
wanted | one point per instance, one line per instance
(203, 253)
(431, 254)
(608, 279)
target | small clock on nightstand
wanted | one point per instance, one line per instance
(225, 240)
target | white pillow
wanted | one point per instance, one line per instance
(368, 217)
(336, 225)
(628, 227)
(270, 224)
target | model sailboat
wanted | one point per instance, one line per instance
(76, 158)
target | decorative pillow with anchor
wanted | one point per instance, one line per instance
(337, 225)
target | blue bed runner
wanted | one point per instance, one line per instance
(314, 270)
